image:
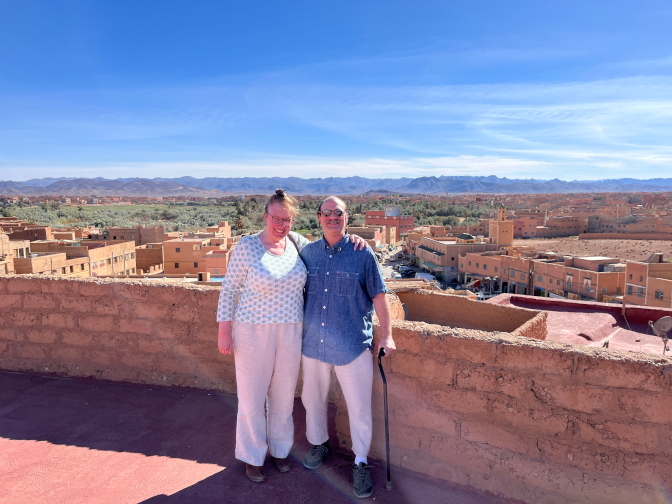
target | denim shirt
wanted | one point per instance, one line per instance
(338, 318)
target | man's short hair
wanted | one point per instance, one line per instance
(335, 198)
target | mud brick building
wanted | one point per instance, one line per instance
(649, 283)
(96, 257)
(149, 258)
(140, 235)
(547, 274)
(390, 217)
(6, 256)
(186, 256)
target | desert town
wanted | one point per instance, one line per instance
(531, 362)
(529, 244)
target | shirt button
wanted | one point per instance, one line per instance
(321, 341)
(327, 272)
(329, 257)
(324, 307)
(322, 323)
(325, 290)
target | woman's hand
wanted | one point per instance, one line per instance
(359, 241)
(224, 340)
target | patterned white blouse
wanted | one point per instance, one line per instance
(270, 286)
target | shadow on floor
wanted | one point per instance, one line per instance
(178, 432)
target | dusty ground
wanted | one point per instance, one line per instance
(633, 250)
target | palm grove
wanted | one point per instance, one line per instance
(244, 216)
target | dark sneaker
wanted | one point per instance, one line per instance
(316, 455)
(255, 473)
(361, 480)
(282, 464)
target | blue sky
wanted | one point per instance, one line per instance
(578, 90)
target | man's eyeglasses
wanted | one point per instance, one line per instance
(327, 213)
(277, 221)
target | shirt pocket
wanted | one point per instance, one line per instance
(311, 282)
(346, 283)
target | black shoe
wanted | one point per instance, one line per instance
(362, 486)
(316, 455)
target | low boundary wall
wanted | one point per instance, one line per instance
(458, 311)
(535, 420)
(625, 236)
(123, 331)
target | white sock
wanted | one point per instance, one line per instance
(360, 459)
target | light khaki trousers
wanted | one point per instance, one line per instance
(356, 380)
(267, 359)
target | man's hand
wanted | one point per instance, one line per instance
(359, 241)
(224, 340)
(388, 344)
(383, 313)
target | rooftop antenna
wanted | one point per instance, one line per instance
(661, 328)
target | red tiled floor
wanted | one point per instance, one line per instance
(81, 441)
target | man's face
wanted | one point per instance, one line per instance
(333, 223)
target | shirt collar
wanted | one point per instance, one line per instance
(339, 245)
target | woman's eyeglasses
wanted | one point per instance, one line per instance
(277, 221)
(327, 213)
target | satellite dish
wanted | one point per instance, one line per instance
(662, 326)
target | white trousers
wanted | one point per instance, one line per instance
(267, 359)
(356, 380)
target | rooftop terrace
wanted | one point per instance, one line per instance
(65, 440)
(479, 396)
(594, 324)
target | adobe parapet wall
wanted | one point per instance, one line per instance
(538, 421)
(137, 331)
(534, 420)
(458, 311)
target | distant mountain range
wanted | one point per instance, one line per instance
(216, 187)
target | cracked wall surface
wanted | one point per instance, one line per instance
(538, 421)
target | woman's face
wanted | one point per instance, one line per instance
(282, 217)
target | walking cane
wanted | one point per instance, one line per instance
(387, 426)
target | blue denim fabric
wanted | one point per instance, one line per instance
(338, 319)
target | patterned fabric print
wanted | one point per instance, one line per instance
(270, 286)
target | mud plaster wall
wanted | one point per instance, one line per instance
(533, 420)
(132, 331)
(457, 311)
(123, 331)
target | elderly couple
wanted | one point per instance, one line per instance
(272, 333)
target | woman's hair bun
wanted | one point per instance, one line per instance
(283, 199)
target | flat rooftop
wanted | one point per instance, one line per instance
(81, 441)
(593, 324)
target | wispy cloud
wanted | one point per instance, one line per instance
(610, 124)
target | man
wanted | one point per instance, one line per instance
(342, 290)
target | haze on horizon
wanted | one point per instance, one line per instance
(571, 90)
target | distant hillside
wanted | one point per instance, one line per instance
(102, 187)
(216, 187)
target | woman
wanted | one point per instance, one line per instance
(267, 275)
